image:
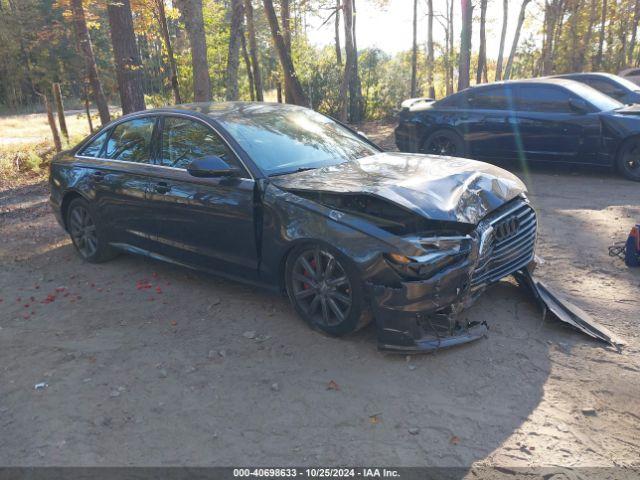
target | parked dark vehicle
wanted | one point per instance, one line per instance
(287, 198)
(549, 120)
(621, 89)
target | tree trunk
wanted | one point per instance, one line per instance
(52, 122)
(86, 48)
(233, 59)
(285, 20)
(350, 90)
(247, 64)
(593, 14)
(337, 33)
(161, 17)
(621, 52)
(57, 97)
(290, 78)
(126, 56)
(464, 63)
(516, 38)
(503, 35)
(414, 52)
(191, 13)
(451, 52)
(87, 108)
(430, 52)
(481, 72)
(551, 15)
(634, 28)
(253, 49)
(597, 63)
(575, 8)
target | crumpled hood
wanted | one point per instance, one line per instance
(436, 187)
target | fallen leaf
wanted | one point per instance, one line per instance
(374, 419)
(454, 440)
(332, 386)
(173, 323)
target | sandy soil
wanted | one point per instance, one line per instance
(200, 371)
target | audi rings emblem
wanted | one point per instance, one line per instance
(506, 228)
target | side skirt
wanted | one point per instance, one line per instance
(146, 253)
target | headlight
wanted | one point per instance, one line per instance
(440, 252)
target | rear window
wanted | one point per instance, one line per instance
(131, 140)
(94, 148)
(497, 98)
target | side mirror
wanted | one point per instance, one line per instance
(362, 134)
(211, 166)
(578, 105)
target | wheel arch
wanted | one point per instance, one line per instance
(440, 128)
(298, 242)
(616, 159)
(67, 198)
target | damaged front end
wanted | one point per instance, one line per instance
(428, 235)
(421, 313)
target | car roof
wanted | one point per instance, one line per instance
(586, 74)
(220, 110)
(564, 82)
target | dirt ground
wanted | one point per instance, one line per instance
(151, 364)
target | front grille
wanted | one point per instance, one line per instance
(511, 244)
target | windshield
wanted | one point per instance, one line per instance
(284, 140)
(598, 99)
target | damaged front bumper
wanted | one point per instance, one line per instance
(409, 321)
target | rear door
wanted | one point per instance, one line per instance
(203, 222)
(119, 161)
(548, 128)
(490, 131)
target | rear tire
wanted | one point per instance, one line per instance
(628, 159)
(444, 142)
(86, 233)
(326, 289)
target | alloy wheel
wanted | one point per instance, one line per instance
(442, 145)
(631, 159)
(83, 231)
(321, 287)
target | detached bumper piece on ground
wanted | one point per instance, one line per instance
(445, 330)
(565, 311)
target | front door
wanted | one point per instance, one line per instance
(549, 129)
(203, 222)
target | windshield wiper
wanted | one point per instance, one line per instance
(301, 169)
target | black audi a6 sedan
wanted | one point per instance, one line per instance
(287, 198)
(617, 87)
(539, 120)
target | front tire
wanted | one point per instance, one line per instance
(444, 142)
(86, 234)
(326, 290)
(628, 159)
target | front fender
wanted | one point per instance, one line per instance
(289, 219)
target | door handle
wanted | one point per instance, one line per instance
(162, 187)
(97, 176)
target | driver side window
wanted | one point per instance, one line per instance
(184, 140)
